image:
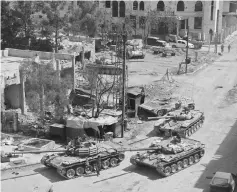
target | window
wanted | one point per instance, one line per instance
(182, 24)
(115, 9)
(160, 6)
(198, 6)
(135, 5)
(212, 8)
(198, 23)
(142, 6)
(122, 9)
(142, 22)
(107, 4)
(133, 20)
(180, 6)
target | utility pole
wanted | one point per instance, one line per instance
(124, 80)
(186, 60)
(217, 31)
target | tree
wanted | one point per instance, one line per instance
(55, 21)
(44, 85)
(85, 19)
(10, 25)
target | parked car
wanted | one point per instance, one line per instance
(197, 44)
(182, 44)
(155, 41)
(223, 182)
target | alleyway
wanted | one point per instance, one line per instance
(211, 92)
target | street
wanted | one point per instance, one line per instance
(213, 92)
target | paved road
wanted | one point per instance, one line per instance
(211, 91)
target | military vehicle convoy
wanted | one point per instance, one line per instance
(172, 156)
(183, 123)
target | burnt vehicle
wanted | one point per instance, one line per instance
(172, 156)
(134, 52)
(182, 123)
(159, 106)
(223, 182)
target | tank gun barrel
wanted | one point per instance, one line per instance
(161, 117)
(34, 152)
(139, 149)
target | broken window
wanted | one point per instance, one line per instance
(133, 20)
(212, 8)
(107, 4)
(160, 6)
(142, 6)
(142, 22)
(182, 24)
(122, 9)
(180, 6)
(115, 9)
(135, 5)
(198, 6)
(198, 23)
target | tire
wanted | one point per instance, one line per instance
(113, 162)
(105, 164)
(88, 169)
(70, 173)
(80, 171)
(180, 165)
(196, 158)
(167, 171)
(121, 157)
(185, 163)
(160, 112)
(174, 168)
(191, 160)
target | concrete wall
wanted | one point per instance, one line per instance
(42, 55)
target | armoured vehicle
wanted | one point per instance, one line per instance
(134, 52)
(172, 156)
(80, 158)
(185, 124)
(161, 106)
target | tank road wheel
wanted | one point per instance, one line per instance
(160, 113)
(113, 162)
(180, 165)
(167, 171)
(121, 157)
(196, 158)
(88, 169)
(185, 163)
(192, 130)
(80, 171)
(174, 168)
(191, 160)
(105, 164)
(70, 173)
(186, 133)
(202, 153)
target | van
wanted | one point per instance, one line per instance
(155, 41)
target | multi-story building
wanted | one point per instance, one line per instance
(201, 15)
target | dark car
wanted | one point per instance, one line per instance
(223, 182)
(155, 41)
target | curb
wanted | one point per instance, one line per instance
(18, 167)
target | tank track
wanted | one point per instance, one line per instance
(81, 169)
(180, 164)
(168, 169)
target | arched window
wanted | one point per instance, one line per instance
(142, 5)
(135, 5)
(212, 8)
(180, 6)
(115, 9)
(198, 6)
(107, 4)
(122, 9)
(160, 6)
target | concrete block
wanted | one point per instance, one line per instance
(35, 144)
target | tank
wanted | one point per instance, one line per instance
(184, 124)
(133, 52)
(172, 156)
(78, 161)
(159, 107)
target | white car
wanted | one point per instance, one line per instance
(182, 44)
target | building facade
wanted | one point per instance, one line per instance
(201, 15)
